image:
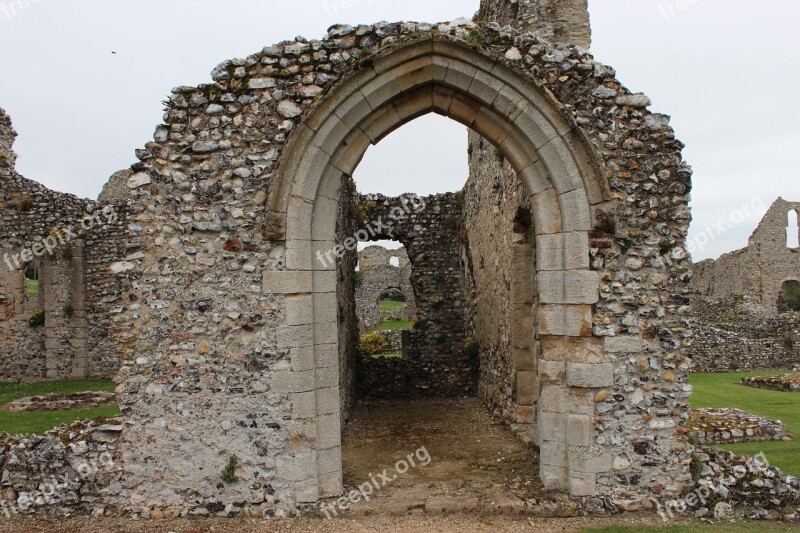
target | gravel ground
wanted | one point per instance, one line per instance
(439, 524)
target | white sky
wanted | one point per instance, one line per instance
(726, 70)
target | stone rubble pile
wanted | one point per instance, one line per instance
(726, 426)
(72, 469)
(786, 382)
(63, 402)
(749, 484)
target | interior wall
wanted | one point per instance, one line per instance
(500, 281)
(346, 305)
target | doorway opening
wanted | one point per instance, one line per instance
(445, 302)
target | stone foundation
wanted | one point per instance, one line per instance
(784, 383)
(728, 426)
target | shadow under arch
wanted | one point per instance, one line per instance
(540, 140)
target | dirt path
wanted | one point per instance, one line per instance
(422, 524)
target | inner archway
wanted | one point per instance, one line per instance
(548, 154)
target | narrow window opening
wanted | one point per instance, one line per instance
(793, 232)
(32, 289)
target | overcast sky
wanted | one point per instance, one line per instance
(726, 70)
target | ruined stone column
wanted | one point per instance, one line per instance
(561, 21)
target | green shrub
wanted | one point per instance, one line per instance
(37, 319)
(229, 473)
(372, 343)
(25, 203)
(696, 467)
(472, 349)
(69, 310)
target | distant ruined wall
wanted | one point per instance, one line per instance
(376, 276)
(77, 288)
(734, 334)
(758, 270)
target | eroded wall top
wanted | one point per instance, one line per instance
(564, 21)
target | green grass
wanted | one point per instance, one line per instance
(390, 306)
(756, 527)
(726, 390)
(388, 356)
(32, 288)
(791, 293)
(388, 325)
(28, 423)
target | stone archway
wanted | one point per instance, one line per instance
(240, 189)
(548, 153)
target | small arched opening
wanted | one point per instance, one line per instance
(789, 298)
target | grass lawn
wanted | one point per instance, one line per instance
(388, 325)
(726, 390)
(28, 423)
(388, 356)
(390, 306)
(33, 288)
(756, 527)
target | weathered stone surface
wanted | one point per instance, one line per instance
(210, 261)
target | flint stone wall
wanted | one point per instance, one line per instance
(225, 352)
(500, 283)
(79, 291)
(736, 334)
(222, 142)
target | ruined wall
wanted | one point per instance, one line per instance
(223, 351)
(758, 270)
(734, 334)
(434, 363)
(77, 286)
(376, 276)
(562, 21)
(500, 282)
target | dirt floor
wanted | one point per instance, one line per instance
(449, 445)
(393, 524)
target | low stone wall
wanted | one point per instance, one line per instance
(727, 426)
(394, 340)
(72, 469)
(744, 482)
(736, 334)
(784, 383)
(63, 402)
